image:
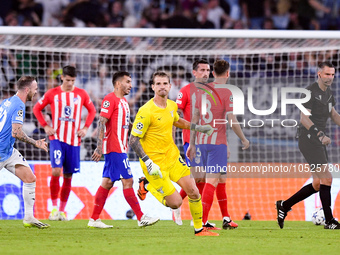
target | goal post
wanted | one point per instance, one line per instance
(263, 63)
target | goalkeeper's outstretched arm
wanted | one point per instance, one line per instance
(135, 144)
(184, 124)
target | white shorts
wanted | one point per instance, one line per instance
(15, 159)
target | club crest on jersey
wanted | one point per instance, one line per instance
(160, 190)
(67, 111)
(106, 104)
(20, 113)
(139, 126)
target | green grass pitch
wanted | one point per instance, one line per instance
(252, 237)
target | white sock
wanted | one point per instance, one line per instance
(28, 191)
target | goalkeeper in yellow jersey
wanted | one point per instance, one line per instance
(151, 139)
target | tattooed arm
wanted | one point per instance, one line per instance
(152, 168)
(18, 133)
(97, 154)
(136, 146)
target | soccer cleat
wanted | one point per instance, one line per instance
(54, 215)
(210, 226)
(332, 224)
(228, 223)
(147, 221)
(176, 216)
(62, 216)
(281, 213)
(97, 224)
(205, 232)
(33, 222)
(142, 191)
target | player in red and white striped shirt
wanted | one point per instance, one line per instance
(113, 128)
(213, 149)
(66, 102)
(186, 101)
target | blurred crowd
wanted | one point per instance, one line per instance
(206, 14)
(95, 70)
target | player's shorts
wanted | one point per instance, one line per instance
(116, 166)
(187, 160)
(15, 159)
(214, 158)
(312, 149)
(197, 161)
(164, 186)
(65, 156)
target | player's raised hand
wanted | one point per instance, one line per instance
(41, 144)
(245, 144)
(82, 132)
(97, 154)
(153, 169)
(49, 130)
(206, 129)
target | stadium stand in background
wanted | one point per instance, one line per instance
(238, 14)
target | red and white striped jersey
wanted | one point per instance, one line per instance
(117, 111)
(219, 102)
(185, 99)
(66, 110)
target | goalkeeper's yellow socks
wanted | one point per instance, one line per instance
(196, 211)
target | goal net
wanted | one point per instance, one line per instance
(262, 64)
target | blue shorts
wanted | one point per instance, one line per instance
(214, 158)
(198, 159)
(65, 156)
(187, 160)
(116, 166)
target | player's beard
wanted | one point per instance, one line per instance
(30, 96)
(163, 93)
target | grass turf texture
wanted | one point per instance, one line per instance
(252, 237)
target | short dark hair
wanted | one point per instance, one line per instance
(325, 63)
(221, 66)
(70, 71)
(161, 74)
(25, 81)
(199, 61)
(118, 75)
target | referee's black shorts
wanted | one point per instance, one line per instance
(312, 149)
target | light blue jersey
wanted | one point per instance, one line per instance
(12, 110)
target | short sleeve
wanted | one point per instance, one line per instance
(18, 115)
(309, 104)
(229, 102)
(107, 107)
(141, 123)
(176, 117)
(182, 99)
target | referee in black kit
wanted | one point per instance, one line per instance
(312, 144)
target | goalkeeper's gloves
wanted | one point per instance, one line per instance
(206, 129)
(153, 169)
